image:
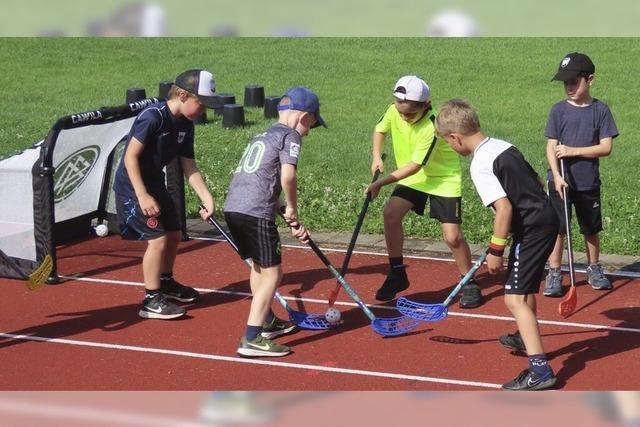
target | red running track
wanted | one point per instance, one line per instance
(85, 334)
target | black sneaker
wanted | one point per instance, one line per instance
(178, 292)
(396, 281)
(471, 295)
(159, 308)
(529, 381)
(277, 327)
(513, 342)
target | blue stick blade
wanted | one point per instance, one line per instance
(390, 327)
(423, 312)
(310, 321)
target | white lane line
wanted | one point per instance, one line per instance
(616, 273)
(219, 358)
(100, 416)
(350, 304)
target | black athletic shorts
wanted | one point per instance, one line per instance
(444, 209)
(587, 205)
(134, 225)
(527, 259)
(256, 238)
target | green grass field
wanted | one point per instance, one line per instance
(507, 79)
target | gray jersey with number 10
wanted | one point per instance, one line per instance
(255, 186)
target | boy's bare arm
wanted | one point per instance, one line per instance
(196, 181)
(401, 173)
(148, 204)
(289, 182)
(554, 165)
(501, 227)
(603, 149)
(377, 146)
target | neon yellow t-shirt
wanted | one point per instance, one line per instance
(440, 174)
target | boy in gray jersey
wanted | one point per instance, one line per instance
(579, 131)
(267, 168)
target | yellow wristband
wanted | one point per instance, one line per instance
(498, 241)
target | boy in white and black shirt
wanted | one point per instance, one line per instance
(509, 185)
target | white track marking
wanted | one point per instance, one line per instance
(616, 273)
(220, 358)
(350, 304)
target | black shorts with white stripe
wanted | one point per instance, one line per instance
(527, 259)
(256, 238)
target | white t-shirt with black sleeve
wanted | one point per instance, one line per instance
(499, 170)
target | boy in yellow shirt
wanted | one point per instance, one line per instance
(428, 169)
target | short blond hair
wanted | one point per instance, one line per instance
(457, 116)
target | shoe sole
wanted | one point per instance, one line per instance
(553, 295)
(250, 352)
(151, 315)
(544, 385)
(394, 294)
(513, 348)
(274, 334)
(465, 306)
(180, 299)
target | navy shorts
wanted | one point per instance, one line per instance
(527, 259)
(445, 209)
(134, 225)
(588, 209)
(256, 238)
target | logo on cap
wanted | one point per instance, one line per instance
(565, 62)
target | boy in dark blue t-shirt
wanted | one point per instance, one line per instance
(579, 130)
(146, 211)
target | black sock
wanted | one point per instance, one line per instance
(252, 332)
(396, 262)
(166, 276)
(538, 364)
(150, 293)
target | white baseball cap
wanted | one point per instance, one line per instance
(411, 88)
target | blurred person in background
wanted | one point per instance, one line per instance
(137, 19)
(452, 23)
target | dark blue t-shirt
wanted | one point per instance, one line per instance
(164, 138)
(580, 127)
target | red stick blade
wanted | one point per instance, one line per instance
(568, 305)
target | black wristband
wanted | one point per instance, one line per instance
(496, 252)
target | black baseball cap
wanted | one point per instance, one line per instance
(200, 83)
(573, 65)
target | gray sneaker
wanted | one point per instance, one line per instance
(553, 283)
(597, 279)
(261, 346)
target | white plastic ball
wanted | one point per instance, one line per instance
(332, 315)
(101, 230)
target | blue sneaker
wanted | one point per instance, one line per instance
(597, 279)
(553, 283)
(528, 380)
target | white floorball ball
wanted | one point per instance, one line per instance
(101, 230)
(332, 315)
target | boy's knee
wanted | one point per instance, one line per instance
(453, 237)
(514, 302)
(159, 244)
(392, 214)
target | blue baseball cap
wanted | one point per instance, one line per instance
(303, 99)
